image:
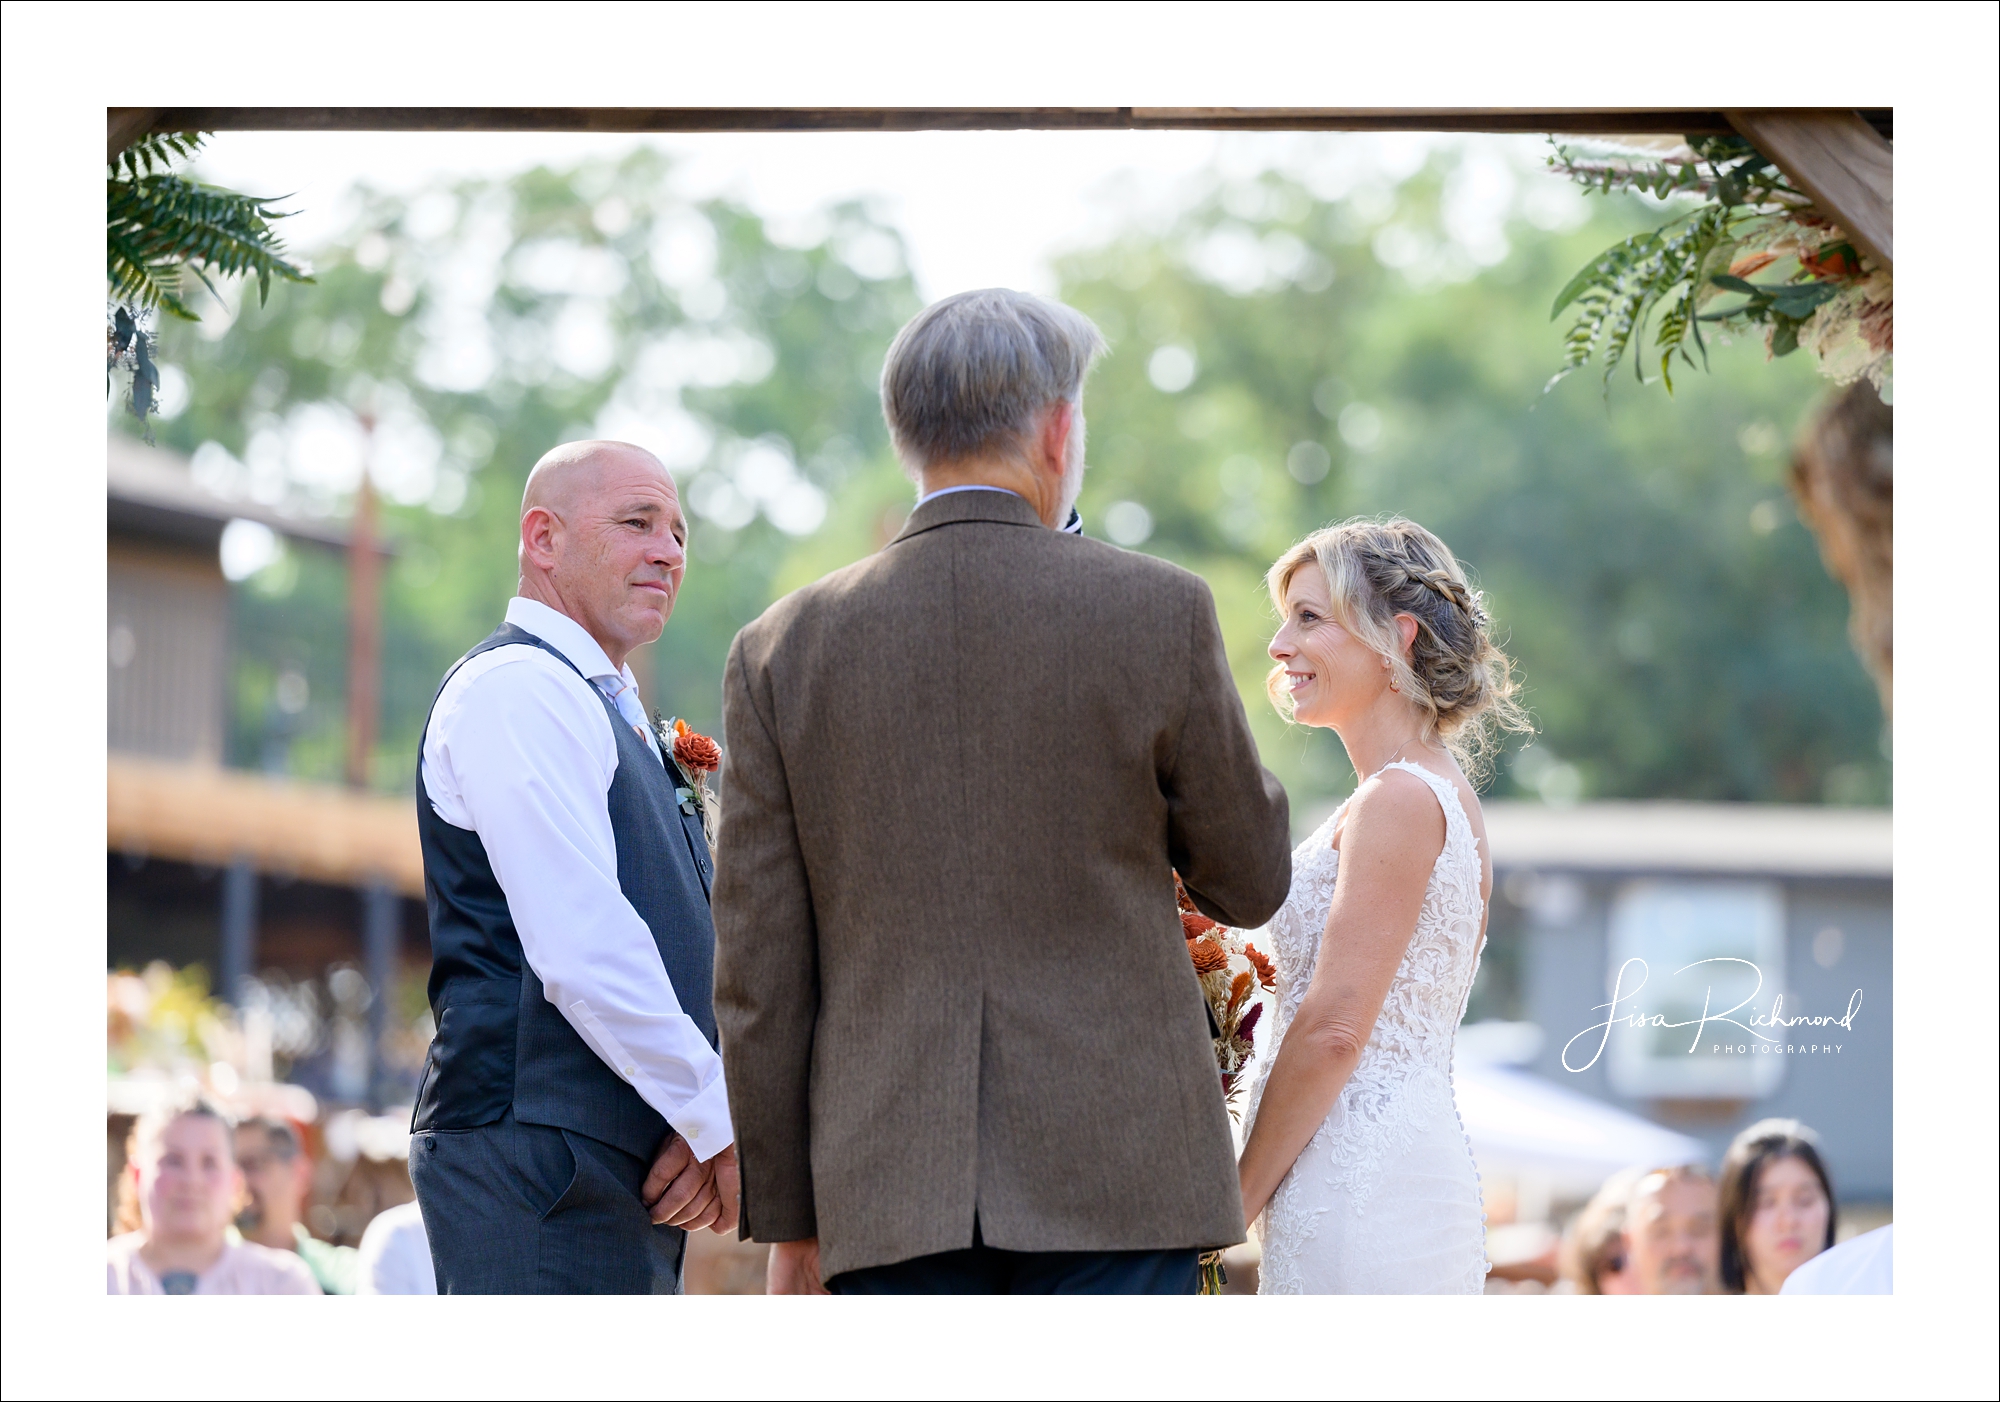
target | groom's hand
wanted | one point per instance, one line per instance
(794, 1268)
(679, 1190)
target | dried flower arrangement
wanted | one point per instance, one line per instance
(1829, 297)
(1234, 1010)
(1230, 990)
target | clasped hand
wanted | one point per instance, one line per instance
(681, 1191)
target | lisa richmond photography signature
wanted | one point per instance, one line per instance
(1753, 1023)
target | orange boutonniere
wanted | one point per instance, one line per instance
(696, 753)
(696, 757)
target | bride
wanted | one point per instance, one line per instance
(1355, 1158)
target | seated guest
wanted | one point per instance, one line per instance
(1596, 1259)
(1776, 1206)
(396, 1255)
(183, 1179)
(278, 1174)
(1670, 1232)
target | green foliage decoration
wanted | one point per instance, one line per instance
(159, 224)
(1740, 214)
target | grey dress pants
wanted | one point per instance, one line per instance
(521, 1209)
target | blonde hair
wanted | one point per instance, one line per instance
(1455, 675)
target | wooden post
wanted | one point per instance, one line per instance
(125, 125)
(381, 940)
(1838, 160)
(364, 622)
(239, 928)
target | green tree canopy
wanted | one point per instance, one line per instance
(1278, 361)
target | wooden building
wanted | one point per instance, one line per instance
(312, 893)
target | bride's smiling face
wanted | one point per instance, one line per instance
(1329, 672)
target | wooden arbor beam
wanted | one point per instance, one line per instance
(137, 121)
(1840, 160)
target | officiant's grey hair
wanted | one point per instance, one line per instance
(972, 375)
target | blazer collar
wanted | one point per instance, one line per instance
(1003, 508)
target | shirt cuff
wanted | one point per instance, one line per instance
(704, 1121)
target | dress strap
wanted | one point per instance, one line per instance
(1455, 819)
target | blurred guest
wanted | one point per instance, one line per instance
(1596, 1258)
(1862, 1266)
(1670, 1232)
(396, 1255)
(1776, 1206)
(278, 1174)
(182, 1178)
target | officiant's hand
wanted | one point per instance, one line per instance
(680, 1190)
(794, 1268)
(728, 1191)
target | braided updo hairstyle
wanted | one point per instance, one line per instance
(1455, 674)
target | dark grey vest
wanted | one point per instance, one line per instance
(500, 1043)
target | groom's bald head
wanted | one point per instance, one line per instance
(603, 540)
(570, 471)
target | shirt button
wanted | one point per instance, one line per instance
(631, 1071)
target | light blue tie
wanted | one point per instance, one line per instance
(626, 699)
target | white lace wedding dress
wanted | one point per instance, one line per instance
(1384, 1200)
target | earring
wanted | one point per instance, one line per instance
(1395, 685)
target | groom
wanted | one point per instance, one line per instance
(966, 1048)
(572, 1122)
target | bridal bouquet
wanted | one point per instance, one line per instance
(1231, 969)
(1219, 954)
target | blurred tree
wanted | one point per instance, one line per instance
(1279, 360)
(478, 326)
(1741, 216)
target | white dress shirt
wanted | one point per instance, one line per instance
(1073, 526)
(395, 1257)
(968, 487)
(1862, 1265)
(520, 752)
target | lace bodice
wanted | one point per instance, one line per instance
(1403, 1080)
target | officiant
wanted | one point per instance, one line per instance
(572, 1123)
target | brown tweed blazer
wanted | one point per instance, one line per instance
(950, 977)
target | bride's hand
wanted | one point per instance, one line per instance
(1253, 1201)
(793, 1268)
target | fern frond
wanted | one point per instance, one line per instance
(156, 222)
(156, 151)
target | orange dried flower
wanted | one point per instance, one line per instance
(1181, 897)
(695, 752)
(1208, 956)
(1836, 261)
(1194, 924)
(1239, 989)
(1267, 972)
(1750, 263)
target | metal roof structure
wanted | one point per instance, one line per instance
(1748, 839)
(1664, 837)
(151, 491)
(203, 814)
